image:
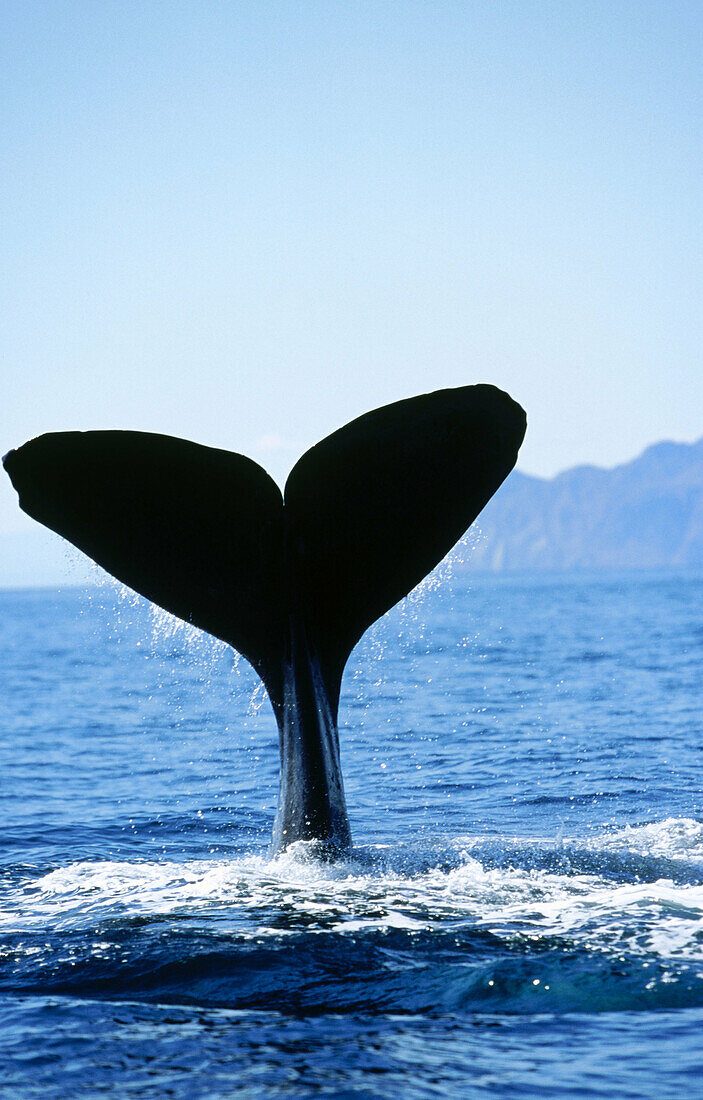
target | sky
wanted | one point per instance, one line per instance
(247, 223)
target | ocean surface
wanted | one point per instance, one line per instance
(522, 911)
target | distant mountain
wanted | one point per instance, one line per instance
(645, 514)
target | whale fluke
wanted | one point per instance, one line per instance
(196, 530)
(376, 505)
(205, 534)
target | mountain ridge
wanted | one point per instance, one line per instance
(642, 514)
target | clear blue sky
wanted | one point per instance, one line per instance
(246, 223)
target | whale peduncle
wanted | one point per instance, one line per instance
(311, 804)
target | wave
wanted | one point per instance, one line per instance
(613, 922)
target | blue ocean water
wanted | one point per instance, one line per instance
(522, 912)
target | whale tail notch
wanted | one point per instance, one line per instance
(205, 533)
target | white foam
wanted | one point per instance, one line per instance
(445, 887)
(676, 837)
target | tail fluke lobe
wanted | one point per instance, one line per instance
(197, 530)
(376, 505)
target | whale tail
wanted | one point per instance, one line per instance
(206, 534)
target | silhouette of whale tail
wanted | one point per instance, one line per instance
(206, 534)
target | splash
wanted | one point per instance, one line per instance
(524, 890)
